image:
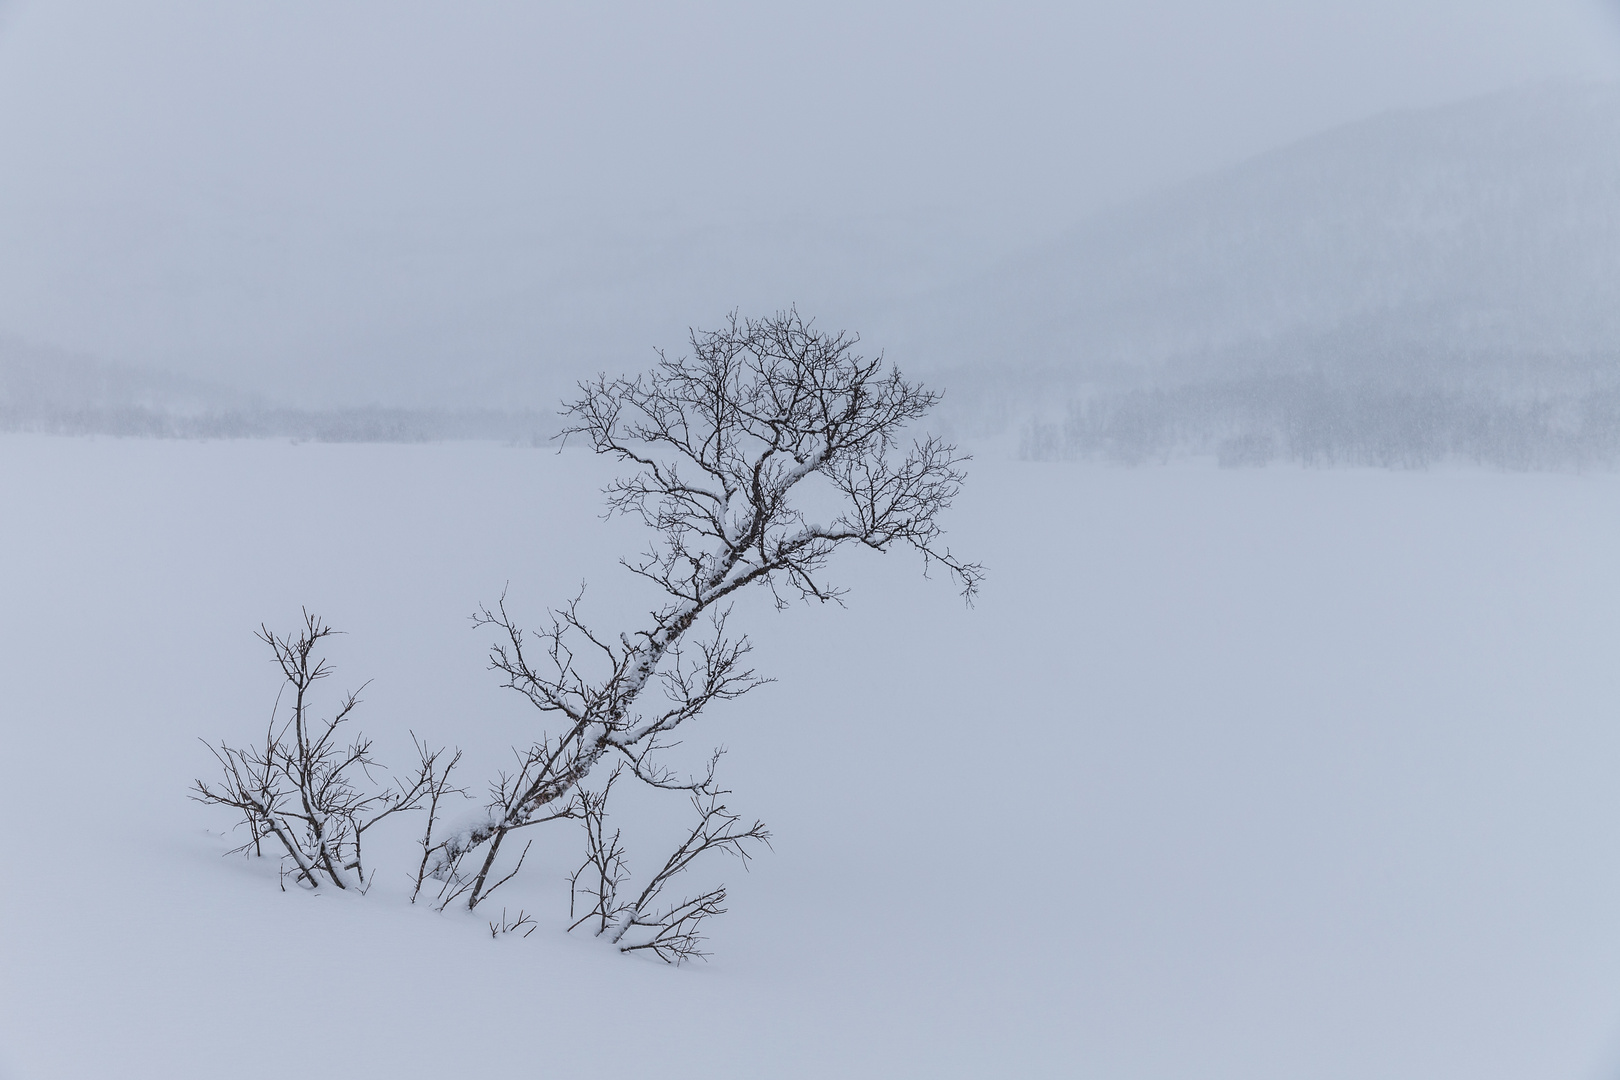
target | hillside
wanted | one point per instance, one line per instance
(1471, 246)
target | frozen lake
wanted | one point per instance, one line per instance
(1252, 774)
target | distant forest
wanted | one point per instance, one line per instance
(314, 425)
(46, 391)
(1316, 419)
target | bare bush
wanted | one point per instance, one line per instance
(309, 787)
(728, 446)
(669, 930)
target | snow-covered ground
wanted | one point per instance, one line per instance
(1249, 774)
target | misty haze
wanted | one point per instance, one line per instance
(1036, 540)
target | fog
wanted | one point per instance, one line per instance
(415, 205)
(1278, 464)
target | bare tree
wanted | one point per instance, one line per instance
(725, 444)
(309, 787)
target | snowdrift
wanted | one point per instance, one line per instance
(1230, 774)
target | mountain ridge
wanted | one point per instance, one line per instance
(1486, 226)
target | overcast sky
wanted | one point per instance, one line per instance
(409, 202)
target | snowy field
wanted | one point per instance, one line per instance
(1250, 774)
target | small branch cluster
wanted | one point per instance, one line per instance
(522, 924)
(670, 930)
(309, 789)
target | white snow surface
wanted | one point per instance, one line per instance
(1253, 774)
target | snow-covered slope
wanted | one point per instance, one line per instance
(1231, 774)
(1414, 243)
